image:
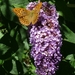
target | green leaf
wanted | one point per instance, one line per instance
(18, 37)
(23, 34)
(7, 12)
(25, 27)
(3, 48)
(60, 13)
(16, 3)
(19, 53)
(26, 45)
(72, 63)
(67, 14)
(71, 60)
(33, 69)
(14, 68)
(70, 57)
(24, 69)
(52, 2)
(1, 62)
(1, 35)
(1, 24)
(69, 35)
(12, 32)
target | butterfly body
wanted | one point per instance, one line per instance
(26, 17)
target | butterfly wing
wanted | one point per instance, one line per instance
(20, 12)
(25, 20)
(35, 12)
(37, 7)
(34, 17)
(27, 16)
(23, 15)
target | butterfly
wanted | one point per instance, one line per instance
(26, 17)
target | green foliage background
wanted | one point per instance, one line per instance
(14, 39)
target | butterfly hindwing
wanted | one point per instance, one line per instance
(24, 20)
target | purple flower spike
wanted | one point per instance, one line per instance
(46, 40)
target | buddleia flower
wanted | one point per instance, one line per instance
(46, 40)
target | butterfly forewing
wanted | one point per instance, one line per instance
(36, 13)
(20, 12)
(23, 15)
(37, 7)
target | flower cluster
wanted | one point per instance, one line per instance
(46, 40)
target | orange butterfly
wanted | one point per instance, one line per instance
(26, 17)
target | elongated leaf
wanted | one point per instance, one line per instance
(7, 12)
(17, 3)
(23, 33)
(1, 62)
(70, 57)
(20, 53)
(73, 63)
(26, 45)
(1, 24)
(1, 35)
(69, 35)
(14, 68)
(3, 48)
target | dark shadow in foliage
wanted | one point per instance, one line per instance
(70, 1)
(67, 48)
(71, 25)
(61, 21)
(8, 14)
(11, 42)
(8, 66)
(7, 23)
(16, 19)
(65, 69)
(2, 71)
(7, 39)
(19, 68)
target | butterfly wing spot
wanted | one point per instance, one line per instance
(17, 11)
(20, 12)
(24, 21)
